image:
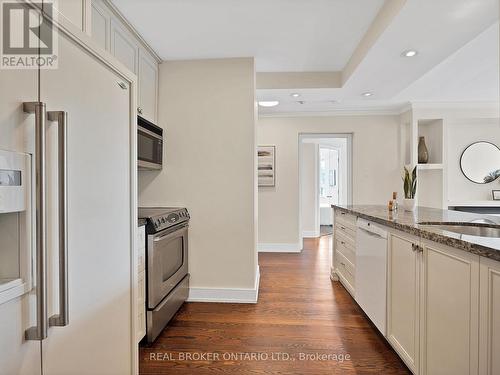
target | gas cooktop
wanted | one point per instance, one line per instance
(161, 218)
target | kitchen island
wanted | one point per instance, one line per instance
(441, 289)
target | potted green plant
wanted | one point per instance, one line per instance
(410, 188)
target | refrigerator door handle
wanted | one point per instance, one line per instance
(62, 319)
(39, 332)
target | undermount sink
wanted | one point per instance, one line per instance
(470, 229)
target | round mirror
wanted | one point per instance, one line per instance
(480, 162)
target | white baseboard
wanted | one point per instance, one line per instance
(226, 295)
(280, 247)
(310, 234)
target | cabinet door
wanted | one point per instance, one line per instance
(123, 46)
(403, 298)
(450, 326)
(99, 336)
(489, 308)
(73, 11)
(148, 86)
(101, 24)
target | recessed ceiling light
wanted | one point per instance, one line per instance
(295, 95)
(409, 53)
(269, 103)
(367, 94)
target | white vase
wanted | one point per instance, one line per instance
(409, 204)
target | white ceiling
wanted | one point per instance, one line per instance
(471, 73)
(457, 42)
(458, 45)
(436, 28)
(283, 35)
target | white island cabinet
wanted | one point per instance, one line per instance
(450, 318)
(489, 321)
(443, 302)
(403, 306)
(344, 257)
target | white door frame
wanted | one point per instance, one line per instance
(348, 137)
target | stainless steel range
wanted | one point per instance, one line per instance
(167, 277)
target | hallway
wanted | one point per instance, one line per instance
(300, 312)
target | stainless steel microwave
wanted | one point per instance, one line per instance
(149, 145)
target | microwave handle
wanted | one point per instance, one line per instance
(62, 319)
(39, 332)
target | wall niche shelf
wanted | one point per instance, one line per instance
(432, 175)
(425, 167)
(448, 129)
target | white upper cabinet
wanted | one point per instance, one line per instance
(148, 86)
(113, 34)
(450, 320)
(101, 24)
(489, 336)
(124, 47)
(74, 11)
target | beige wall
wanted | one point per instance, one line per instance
(207, 108)
(309, 182)
(376, 169)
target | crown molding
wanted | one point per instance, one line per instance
(386, 110)
(455, 105)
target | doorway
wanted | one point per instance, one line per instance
(328, 186)
(325, 179)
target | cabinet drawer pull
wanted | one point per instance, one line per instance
(343, 264)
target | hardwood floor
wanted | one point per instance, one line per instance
(300, 310)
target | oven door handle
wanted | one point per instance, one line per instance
(171, 233)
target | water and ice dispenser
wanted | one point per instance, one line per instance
(16, 224)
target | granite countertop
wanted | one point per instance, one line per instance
(409, 222)
(141, 222)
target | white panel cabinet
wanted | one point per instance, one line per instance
(74, 11)
(113, 34)
(101, 24)
(124, 47)
(98, 338)
(403, 287)
(450, 321)
(489, 336)
(148, 86)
